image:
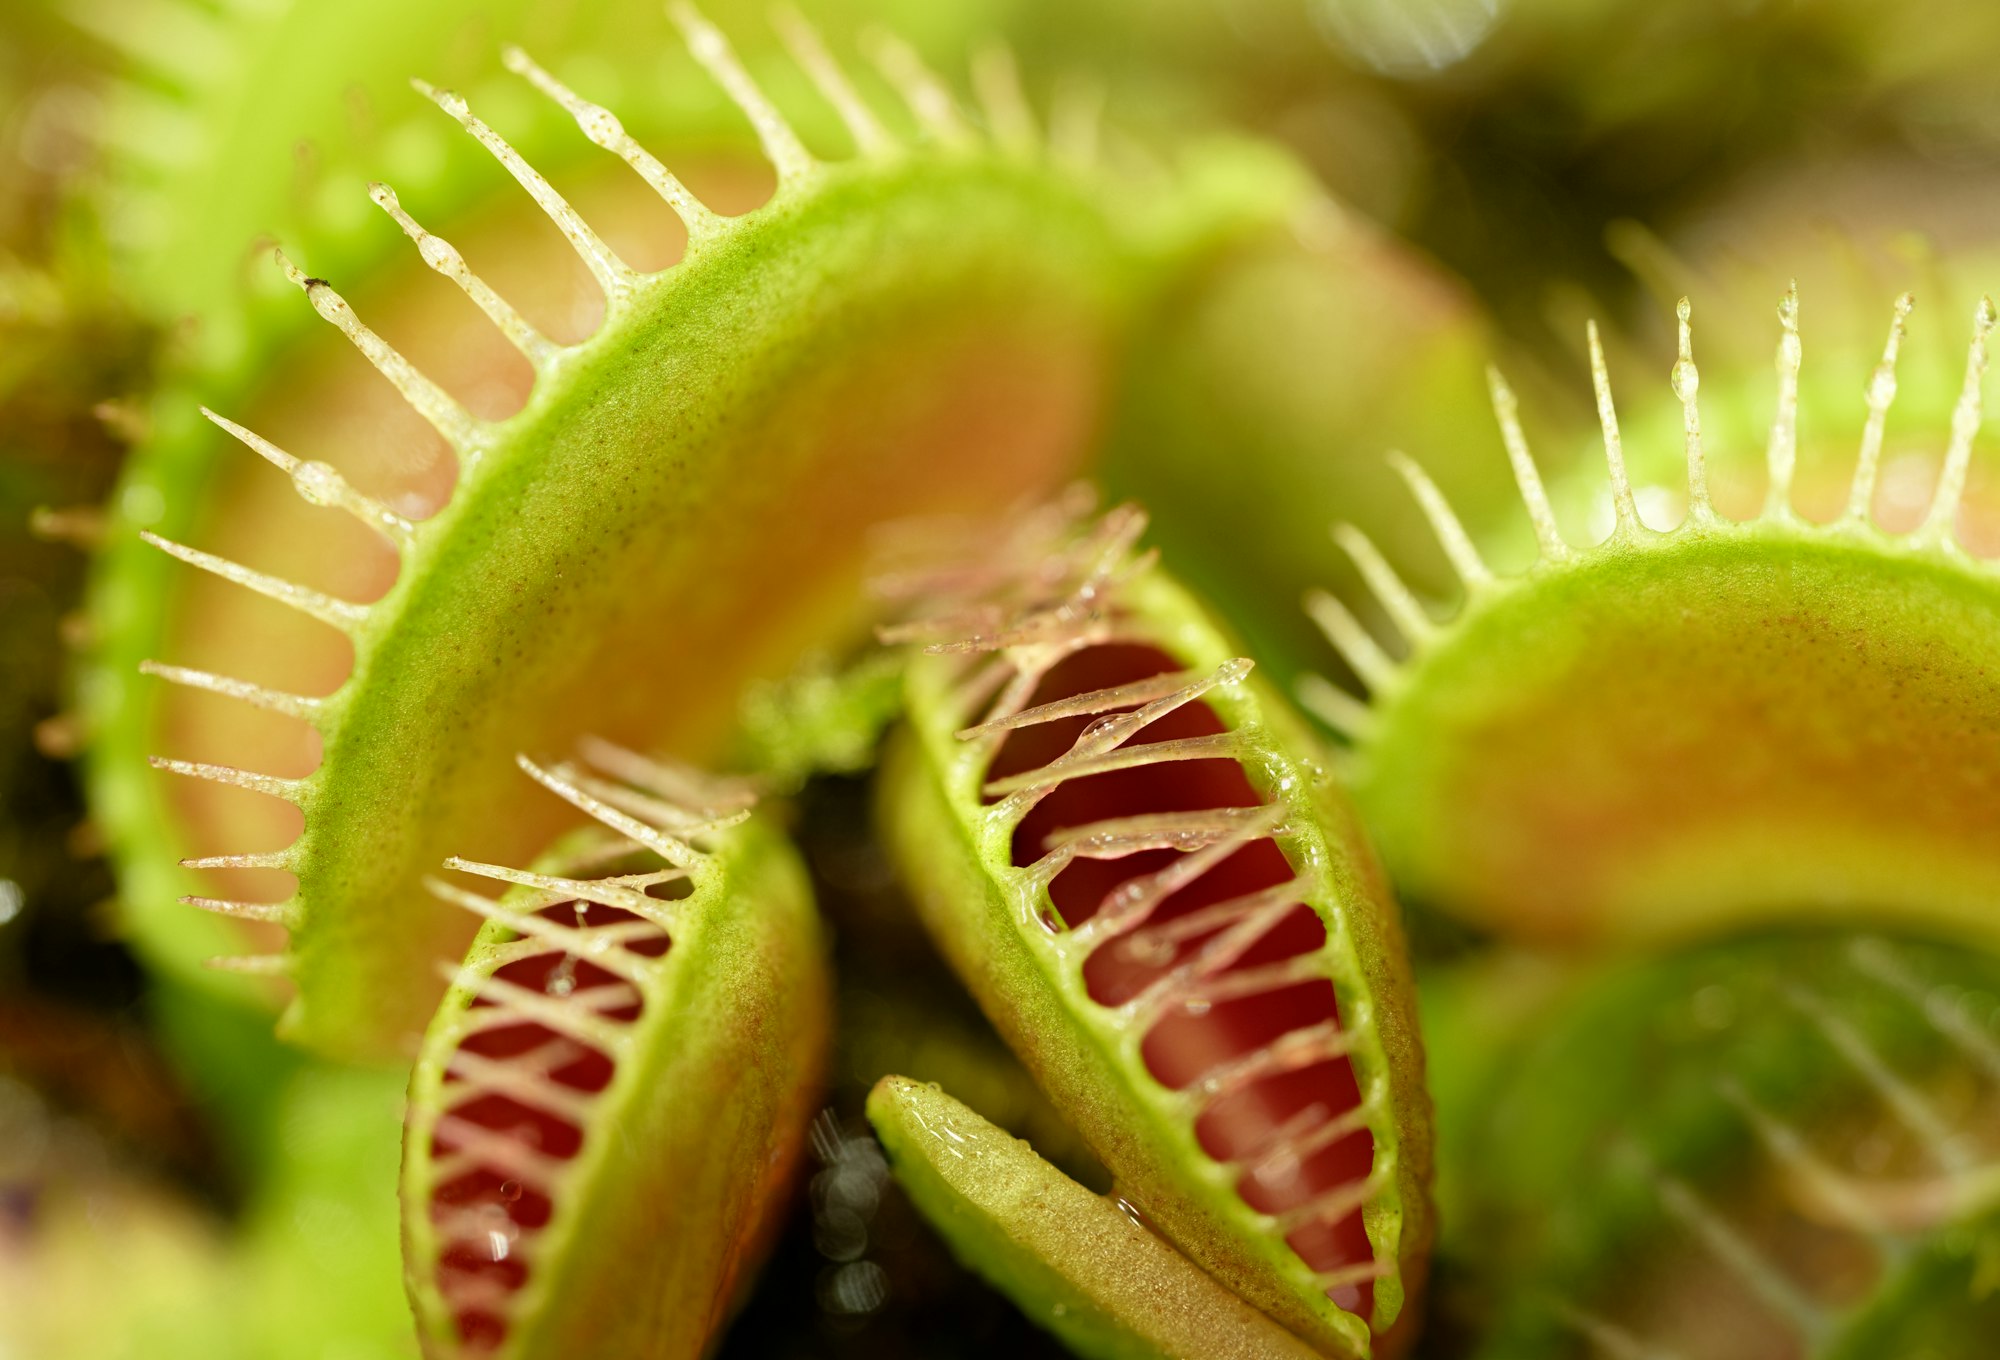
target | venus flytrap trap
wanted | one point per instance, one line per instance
(1078, 1264)
(704, 439)
(1675, 729)
(1135, 856)
(609, 1102)
(1784, 1147)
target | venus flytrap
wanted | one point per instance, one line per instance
(1079, 1264)
(1136, 858)
(1782, 1147)
(703, 439)
(609, 1102)
(1676, 729)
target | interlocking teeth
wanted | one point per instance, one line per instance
(1357, 646)
(1451, 535)
(1405, 610)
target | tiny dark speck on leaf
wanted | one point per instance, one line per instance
(317, 283)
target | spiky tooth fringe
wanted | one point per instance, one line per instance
(454, 424)
(1334, 706)
(298, 706)
(1356, 645)
(996, 80)
(1966, 416)
(712, 50)
(616, 278)
(336, 613)
(605, 893)
(1904, 1101)
(830, 79)
(1878, 960)
(1217, 746)
(592, 943)
(1335, 1204)
(1402, 605)
(261, 859)
(670, 848)
(1685, 379)
(602, 127)
(1293, 1052)
(1083, 705)
(929, 98)
(284, 914)
(293, 791)
(1782, 454)
(1614, 445)
(1458, 547)
(510, 1004)
(1507, 410)
(697, 794)
(528, 1086)
(319, 484)
(1764, 1277)
(1880, 393)
(1117, 837)
(444, 258)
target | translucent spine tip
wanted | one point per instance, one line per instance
(1782, 454)
(1403, 607)
(603, 128)
(443, 258)
(452, 421)
(708, 47)
(319, 484)
(996, 79)
(1965, 421)
(928, 97)
(1686, 381)
(1451, 536)
(341, 614)
(1881, 392)
(810, 52)
(1507, 410)
(1614, 445)
(292, 705)
(613, 275)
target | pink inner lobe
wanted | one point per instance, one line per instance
(1289, 1119)
(510, 1120)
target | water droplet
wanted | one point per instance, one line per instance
(319, 483)
(510, 1192)
(1686, 380)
